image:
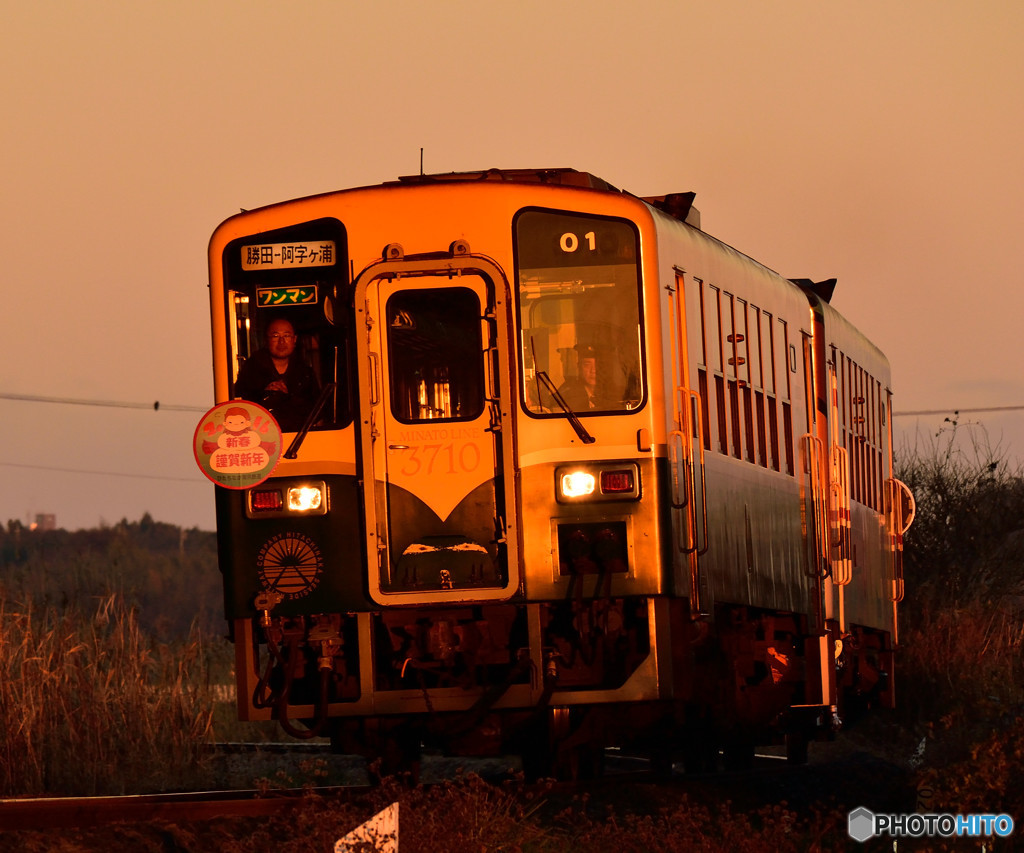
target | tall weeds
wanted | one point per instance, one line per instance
(961, 664)
(91, 707)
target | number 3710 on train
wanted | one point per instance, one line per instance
(558, 471)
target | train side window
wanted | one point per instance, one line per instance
(810, 409)
(736, 343)
(768, 343)
(734, 419)
(759, 418)
(702, 369)
(786, 361)
(863, 431)
(699, 301)
(844, 414)
(702, 383)
(748, 422)
(723, 437)
(767, 337)
(773, 429)
(787, 430)
(882, 435)
(716, 337)
(754, 346)
(731, 367)
(744, 376)
(855, 414)
(869, 439)
(862, 412)
(869, 418)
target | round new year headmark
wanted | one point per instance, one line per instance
(237, 444)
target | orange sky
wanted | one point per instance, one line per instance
(875, 142)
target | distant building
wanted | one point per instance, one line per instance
(44, 521)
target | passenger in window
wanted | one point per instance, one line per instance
(279, 379)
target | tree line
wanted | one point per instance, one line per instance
(167, 574)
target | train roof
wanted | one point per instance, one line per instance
(677, 205)
(559, 177)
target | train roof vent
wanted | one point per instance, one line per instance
(678, 206)
(561, 177)
(823, 289)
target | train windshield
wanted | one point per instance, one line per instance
(579, 313)
(288, 344)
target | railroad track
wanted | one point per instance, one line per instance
(80, 812)
(84, 812)
(768, 781)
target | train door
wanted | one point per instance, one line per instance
(436, 432)
(816, 470)
(686, 452)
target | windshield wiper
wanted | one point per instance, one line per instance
(574, 421)
(325, 395)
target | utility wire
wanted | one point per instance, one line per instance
(171, 407)
(155, 406)
(959, 411)
(117, 404)
(104, 473)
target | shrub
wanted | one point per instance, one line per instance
(967, 541)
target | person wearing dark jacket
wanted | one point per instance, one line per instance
(278, 379)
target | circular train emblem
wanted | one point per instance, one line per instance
(291, 564)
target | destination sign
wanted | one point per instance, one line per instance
(268, 297)
(287, 256)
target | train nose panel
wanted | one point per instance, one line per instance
(435, 415)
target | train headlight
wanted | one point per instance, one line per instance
(577, 484)
(597, 481)
(305, 498)
(279, 499)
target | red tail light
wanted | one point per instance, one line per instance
(613, 482)
(266, 500)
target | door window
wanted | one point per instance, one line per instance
(435, 355)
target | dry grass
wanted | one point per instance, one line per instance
(91, 707)
(961, 665)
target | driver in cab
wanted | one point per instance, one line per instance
(278, 378)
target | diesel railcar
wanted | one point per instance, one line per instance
(579, 474)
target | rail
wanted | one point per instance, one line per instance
(68, 812)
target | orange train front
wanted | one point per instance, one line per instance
(578, 474)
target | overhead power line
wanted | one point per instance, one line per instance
(116, 404)
(196, 479)
(955, 411)
(172, 407)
